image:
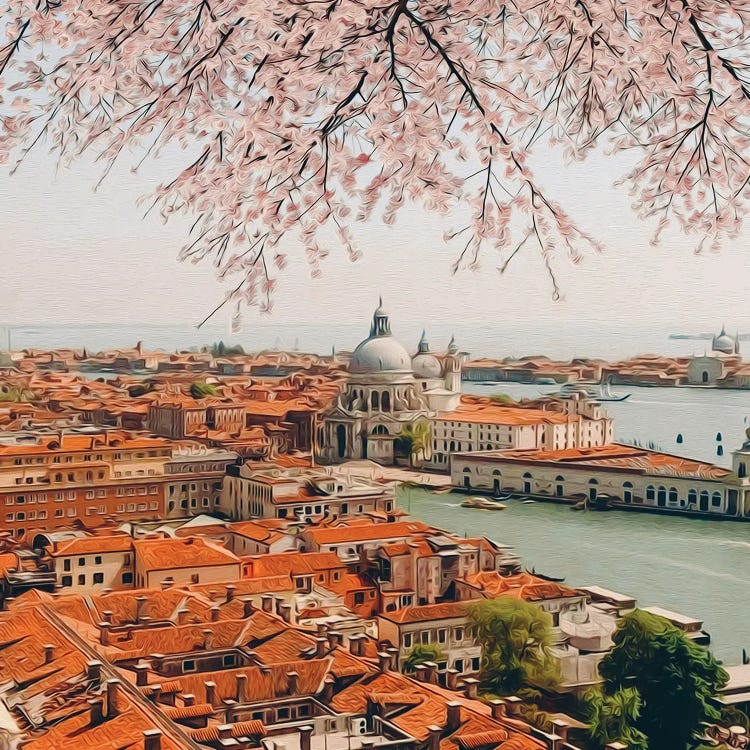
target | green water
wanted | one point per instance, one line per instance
(697, 567)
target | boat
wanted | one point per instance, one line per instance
(528, 502)
(483, 503)
(591, 389)
(553, 579)
(581, 505)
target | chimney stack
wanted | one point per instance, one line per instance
(471, 687)
(104, 633)
(451, 679)
(560, 727)
(182, 615)
(513, 705)
(152, 739)
(225, 731)
(292, 681)
(305, 737)
(247, 607)
(155, 693)
(321, 646)
(107, 615)
(432, 672)
(335, 638)
(615, 746)
(140, 604)
(141, 674)
(210, 686)
(241, 688)
(96, 711)
(188, 699)
(285, 611)
(357, 643)
(49, 652)
(113, 686)
(230, 588)
(214, 613)
(327, 692)
(266, 602)
(498, 708)
(279, 603)
(435, 735)
(453, 716)
(94, 671)
(384, 661)
(206, 636)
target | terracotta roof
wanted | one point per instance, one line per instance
(365, 533)
(210, 734)
(92, 544)
(520, 586)
(292, 563)
(488, 412)
(190, 552)
(427, 612)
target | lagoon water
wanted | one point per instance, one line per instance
(697, 567)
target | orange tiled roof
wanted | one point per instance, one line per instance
(427, 612)
(359, 533)
(190, 552)
(520, 586)
(93, 544)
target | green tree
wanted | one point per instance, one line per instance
(502, 398)
(421, 653)
(415, 439)
(613, 718)
(202, 390)
(516, 640)
(675, 678)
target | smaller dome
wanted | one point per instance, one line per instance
(426, 365)
(723, 343)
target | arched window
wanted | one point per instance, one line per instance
(650, 492)
(385, 401)
(527, 482)
(592, 489)
(661, 497)
(742, 470)
(375, 401)
(704, 500)
(380, 429)
(467, 470)
(673, 495)
(453, 446)
(716, 499)
(627, 492)
(559, 486)
(692, 497)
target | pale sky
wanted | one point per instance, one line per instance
(72, 256)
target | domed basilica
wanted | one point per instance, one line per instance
(388, 391)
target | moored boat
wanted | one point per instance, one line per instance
(482, 503)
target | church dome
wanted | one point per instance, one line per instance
(380, 352)
(426, 366)
(723, 343)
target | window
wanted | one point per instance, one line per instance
(424, 636)
(127, 578)
(359, 597)
(81, 561)
(475, 664)
(407, 640)
(228, 660)
(188, 665)
(458, 634)
(98, 577)
(650, 492)
(67, 581)
(82, 580)
(66, 564)
(716, 499)
(442, 635)
(98, 560)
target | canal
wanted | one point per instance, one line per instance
(698, 567)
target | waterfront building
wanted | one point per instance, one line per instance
(387, 393)
(715, 366)
(479, 424)
(301, 494)
(615, 475)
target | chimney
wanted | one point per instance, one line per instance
(49, 652)
(384, 661)
(451, 679)
(327, 692)
(471, 687)
(305, 737)
(214, 613)
(513, 705)
(357, 643)
(230, 588)
(453, 716)
(292, 681)
(104, 633)
(241, 688)
(335, 638)
(373, 708)
(247, 607)
(155, 693)
(206, 636)
(152, 739)
(498, 709)
(615, 746)
(188, 699)
(432, 672)
(285, 611)
(225, 731)
(113, 687)
(140, 604)
(141, 674)
(94, 671)
(420, 673)
(96, 711)
(434, 740)
(182, 615)
(279, 603)
(560, 727)
(210, 686)
(107, 615)
(321, 646)
(266, 602)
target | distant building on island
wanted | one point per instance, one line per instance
(713, 367)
